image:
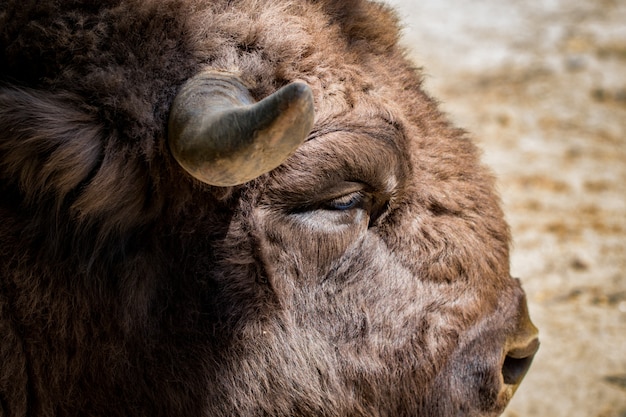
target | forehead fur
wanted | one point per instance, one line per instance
(120, 63)
(131, 56)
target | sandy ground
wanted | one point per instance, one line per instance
(541, 85)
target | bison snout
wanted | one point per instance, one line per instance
(490, 365)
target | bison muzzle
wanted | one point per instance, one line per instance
(242, 208)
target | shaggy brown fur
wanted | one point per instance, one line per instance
(127, 288)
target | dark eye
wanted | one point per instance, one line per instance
(346, 202)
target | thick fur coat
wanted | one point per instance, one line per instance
(128, 288)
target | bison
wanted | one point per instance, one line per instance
(242, 208)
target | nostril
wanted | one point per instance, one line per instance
(517, 362)
(513, 369)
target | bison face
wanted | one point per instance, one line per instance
(377, 267)
(242, 208)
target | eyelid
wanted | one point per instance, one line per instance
(347, 201)
(341, 190)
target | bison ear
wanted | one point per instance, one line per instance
(373, 23)
(48, 145)
(56, 152)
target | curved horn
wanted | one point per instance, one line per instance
(220, 136)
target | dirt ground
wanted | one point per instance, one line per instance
(541, 85)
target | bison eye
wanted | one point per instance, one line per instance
(346, 202)
(341, 204)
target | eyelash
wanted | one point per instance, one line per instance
(346, 202)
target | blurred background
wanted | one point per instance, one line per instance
(541, 86)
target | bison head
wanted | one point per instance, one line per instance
(242, 208)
